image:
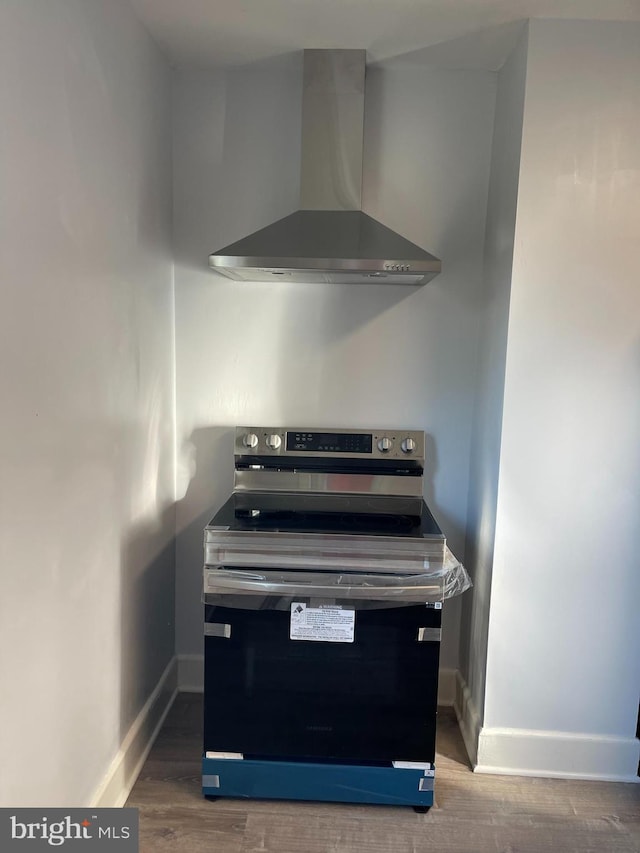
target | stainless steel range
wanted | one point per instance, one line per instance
(324, 578)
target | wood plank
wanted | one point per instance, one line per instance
(176, 829)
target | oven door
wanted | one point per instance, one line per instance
(371, 700)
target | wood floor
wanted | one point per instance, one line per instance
(473, 813)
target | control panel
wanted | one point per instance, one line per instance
(372, 444)
(329, 442)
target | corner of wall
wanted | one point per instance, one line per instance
(468, 717)
(500, 232)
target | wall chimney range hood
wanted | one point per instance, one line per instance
(329, 239)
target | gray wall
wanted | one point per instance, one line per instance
(493, 310)
(325, 355)
(86, 434)
(563, 662)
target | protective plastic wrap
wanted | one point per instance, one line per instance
(254, 588)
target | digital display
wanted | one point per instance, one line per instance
(330, 442)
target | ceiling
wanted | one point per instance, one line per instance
(453, 33)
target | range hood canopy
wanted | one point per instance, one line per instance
(330, 239)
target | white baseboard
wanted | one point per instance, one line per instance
(447, 687)
(127, 764)
(468, 717)
(560, 755)
(191, 678)
(191, 673)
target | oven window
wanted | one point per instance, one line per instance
(370, 700)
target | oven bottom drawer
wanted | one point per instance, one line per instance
(371, 701)
(319, 782)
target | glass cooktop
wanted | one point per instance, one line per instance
(303, 521)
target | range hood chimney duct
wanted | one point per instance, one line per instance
(332, 130)
(329, 239)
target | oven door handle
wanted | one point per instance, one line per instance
(414, 588)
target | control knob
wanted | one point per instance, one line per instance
(250, 440)
(274, 441)
(384, 445)
(408, 445)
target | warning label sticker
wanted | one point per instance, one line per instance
(331, 624)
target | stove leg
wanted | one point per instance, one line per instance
(421, 809)
(211, 798)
